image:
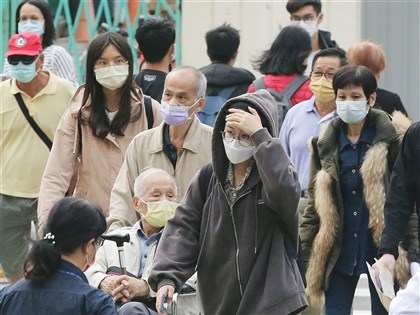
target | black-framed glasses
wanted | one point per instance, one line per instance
(307, 19)
(104, 63)
(319, 74)
(26, 60)
(244, 141)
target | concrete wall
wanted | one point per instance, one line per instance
(401, 43)
(259, 23)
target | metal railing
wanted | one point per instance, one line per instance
(84, 20)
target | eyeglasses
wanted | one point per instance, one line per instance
(318, 75)
(244, 141)
(103, 63)
(98, 242)
(306, 19)
(26, 60)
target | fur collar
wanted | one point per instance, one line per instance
(374, 172)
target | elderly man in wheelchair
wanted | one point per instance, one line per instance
(125, 278)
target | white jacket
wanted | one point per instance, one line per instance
(107, 256)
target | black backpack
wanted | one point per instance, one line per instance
(282, 99)
(213, 104)
(149, 111)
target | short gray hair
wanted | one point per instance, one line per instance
(139, 184)
(200, 79)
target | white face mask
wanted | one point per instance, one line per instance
(237, 153)
(311, 27)
(34, 26)
(112, 77)
(352, 112)
(159, 212)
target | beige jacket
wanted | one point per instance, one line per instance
(96, 160)
(146, 150)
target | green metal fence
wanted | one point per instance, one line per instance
(112, 15)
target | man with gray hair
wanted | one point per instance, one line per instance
(181, 145)
(155, 197)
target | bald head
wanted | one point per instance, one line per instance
(188, 75)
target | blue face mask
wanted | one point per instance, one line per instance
(34, 26)
(23, 73)
(352, 112)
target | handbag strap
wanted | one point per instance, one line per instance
(32, 122)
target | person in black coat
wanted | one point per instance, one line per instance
(402, 198)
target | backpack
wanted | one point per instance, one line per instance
(149, 111)
(213, 104)
(283, 99)
(204, 178)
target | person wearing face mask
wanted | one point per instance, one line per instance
(104, 115)
(181, 144)
(155, 200)
(241, 234)
(24, 151)
(350, 171)
(54, 281)
(35, 16)
(314, 113)
(307, 15)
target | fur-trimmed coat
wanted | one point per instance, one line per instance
(321, 227)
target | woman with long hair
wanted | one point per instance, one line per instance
(54, 280)
(35, 16)
(104, 115)
(286, 59)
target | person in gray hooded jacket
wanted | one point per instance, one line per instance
(241, 235)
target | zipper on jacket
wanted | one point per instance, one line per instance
(238, 274)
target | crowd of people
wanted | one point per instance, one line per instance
(254, 196)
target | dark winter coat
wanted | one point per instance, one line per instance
(243, 253)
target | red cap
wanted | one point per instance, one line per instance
(28, 44)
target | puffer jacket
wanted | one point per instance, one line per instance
(321, 227)
(96, 160)
(245, 253)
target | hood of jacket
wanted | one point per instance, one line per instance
(266, 107)
(221, 75)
